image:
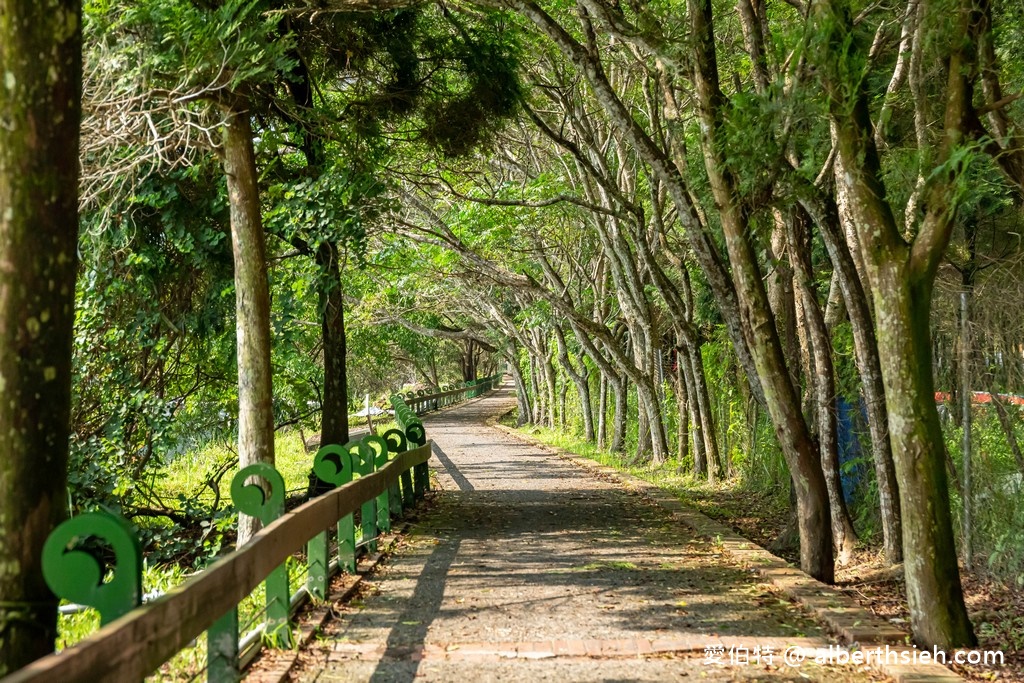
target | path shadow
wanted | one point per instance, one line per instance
(453, 471)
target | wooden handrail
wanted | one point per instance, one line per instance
(423, 400)
(139, 642)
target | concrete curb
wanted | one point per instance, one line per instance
(848, 621)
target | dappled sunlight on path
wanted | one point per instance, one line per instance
(528, 568)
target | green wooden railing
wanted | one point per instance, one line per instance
(378, 475)
(422, 402)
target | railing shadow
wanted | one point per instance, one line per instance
(408, 635)
(460, 479)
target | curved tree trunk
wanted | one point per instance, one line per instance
(252, 303)
(40, 105)
(765, 346)
(581, 378)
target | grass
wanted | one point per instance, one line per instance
(191, 474)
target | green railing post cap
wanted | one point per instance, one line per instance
(75, 572)
(363, 457)
(333, 464)
(379, 446)
(252, 499)
(397, 442)
(416, 434)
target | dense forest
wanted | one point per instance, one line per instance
(774, 246)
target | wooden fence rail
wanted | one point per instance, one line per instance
(421, 402)
(137, 643)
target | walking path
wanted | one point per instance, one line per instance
(527, 568)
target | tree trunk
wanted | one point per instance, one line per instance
(549, 383)
(620, 390)
(537, 411)
(602, 413)
(966, 396)
(934, 594)
(522, 398)
(827, 216)
(252, 303)
(822, 379)
(40, 110)
(563, 395)
(683, 410)
(334, 412)
(705, 414)
(643, 432)
(697, 416)
(581, 378)
(901, 276)
(469, 359)
(649, 403)
(782, 297)
(755, 313)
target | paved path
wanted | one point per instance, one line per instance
(527, 568)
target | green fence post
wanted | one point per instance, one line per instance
(222, 649)
(362, 462)
(318, 553)
(333, 464)
(417, 436)
(380, 458)
(253, 500)
(396, 444)
(413, 484)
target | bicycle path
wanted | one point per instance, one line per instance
(526, 568)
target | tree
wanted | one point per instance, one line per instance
(40, 106)
(901, 274)
(252, 301)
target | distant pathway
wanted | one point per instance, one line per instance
(529, 569)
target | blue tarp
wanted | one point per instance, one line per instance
(850, 420)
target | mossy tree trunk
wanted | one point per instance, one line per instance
(901, 277)
(40, 111)
(824, 211)
(522, 397)
(252, 302)
(781, 398)
(581, 378)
